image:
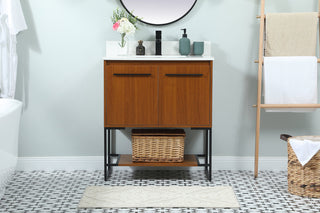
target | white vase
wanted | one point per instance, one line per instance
(122, 51)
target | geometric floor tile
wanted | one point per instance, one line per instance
(61, 191)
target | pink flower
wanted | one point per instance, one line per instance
(116, 25)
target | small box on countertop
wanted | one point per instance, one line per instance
(198, 48)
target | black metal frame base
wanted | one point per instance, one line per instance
(108, 155)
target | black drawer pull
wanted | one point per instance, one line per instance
(175, 75)
(132, 74)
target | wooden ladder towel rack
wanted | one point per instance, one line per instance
(259, 105)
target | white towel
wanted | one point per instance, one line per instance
(15, 21)
(304, 149)
(290, 80)
(11, 23)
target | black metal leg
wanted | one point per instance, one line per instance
(206, 151)
(210, 154)
(109, 151)
(105, 154)
(108, 155)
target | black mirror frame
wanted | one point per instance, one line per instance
(164, 23)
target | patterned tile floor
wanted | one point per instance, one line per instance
(61, 191)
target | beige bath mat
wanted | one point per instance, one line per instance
(158, 196)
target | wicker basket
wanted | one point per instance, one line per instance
(150, 145)
(304, 180)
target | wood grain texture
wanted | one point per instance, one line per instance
(176, 94)
(184, 97)
(131, 98)
(289, 105)
(189, 160)
(259, 86)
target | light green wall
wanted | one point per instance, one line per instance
(61, 76)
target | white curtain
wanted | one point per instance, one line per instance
(11, 23)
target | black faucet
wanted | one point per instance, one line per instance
(158, 42)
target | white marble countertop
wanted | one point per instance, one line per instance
(159, 58)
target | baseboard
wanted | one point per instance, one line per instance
(60, 163)
(92, 163)
(247, 163)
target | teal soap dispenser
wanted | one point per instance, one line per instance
(184, 44)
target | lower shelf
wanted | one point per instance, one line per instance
(189, 160)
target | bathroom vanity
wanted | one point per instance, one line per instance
(158, 92)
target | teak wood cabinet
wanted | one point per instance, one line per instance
(158, 94)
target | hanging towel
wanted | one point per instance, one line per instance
(11, 23)
(291, 34)
(16, 21)
(290, 80)
(304, 149)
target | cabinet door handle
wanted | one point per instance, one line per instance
(178, 74)
(132, 74)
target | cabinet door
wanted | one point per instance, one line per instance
(185, 91)
(131, 94)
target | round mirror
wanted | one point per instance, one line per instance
(158, 12)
